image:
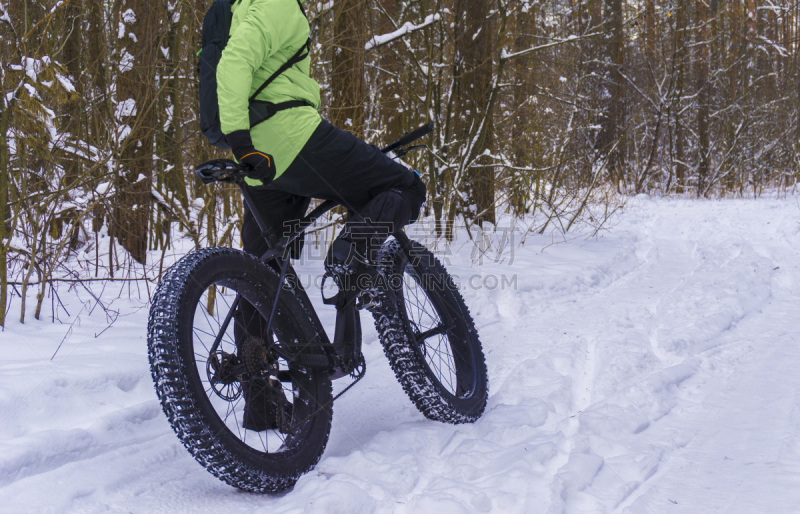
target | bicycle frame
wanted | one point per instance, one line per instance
(222, 170)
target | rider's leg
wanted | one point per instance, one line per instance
(385, 213)
(335, 165)
(263, 399)
(277, 208)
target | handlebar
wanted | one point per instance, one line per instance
(226, 170)
(409, 137)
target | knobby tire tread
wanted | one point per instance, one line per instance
(408, 368)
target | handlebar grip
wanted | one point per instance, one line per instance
(410, 137)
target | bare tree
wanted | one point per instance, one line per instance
(136, 86)
(348, 90)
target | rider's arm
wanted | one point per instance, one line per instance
(258, 36)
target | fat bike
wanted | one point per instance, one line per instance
(206, 363)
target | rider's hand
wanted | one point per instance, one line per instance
(256, 165)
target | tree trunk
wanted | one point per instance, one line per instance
(73, 61)
(733, 64)
(650, 30)
(751, 23)
(702, 94)
(526, 119)
(680, 136)
(474, 44)
(136, 84)
(347, 109)
(72, 54)
(391, 80)
(96, 70)
(613, 116)
(4, 171)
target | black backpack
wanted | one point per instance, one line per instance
(216, 32)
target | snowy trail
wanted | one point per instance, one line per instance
(654, 369)
(744, 454)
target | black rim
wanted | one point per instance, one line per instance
(440, 337)
(223, 376)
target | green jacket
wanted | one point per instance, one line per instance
(264, 35)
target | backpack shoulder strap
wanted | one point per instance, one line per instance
(300, 55)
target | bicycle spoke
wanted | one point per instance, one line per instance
(440, 354)
(422, 310)
(418, 319)
(264, 441)
(228, 412)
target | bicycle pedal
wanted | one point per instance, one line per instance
(368, 300)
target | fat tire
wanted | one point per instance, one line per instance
(186, 405)
(407, 363)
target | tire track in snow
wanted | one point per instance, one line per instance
(47, 450)
(740, 454)
(628, 409)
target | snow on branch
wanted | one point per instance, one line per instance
(4, 16)
(505, 56)
(406, 29)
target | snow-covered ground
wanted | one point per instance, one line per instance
(655, 368)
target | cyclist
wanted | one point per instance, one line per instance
(295, 155)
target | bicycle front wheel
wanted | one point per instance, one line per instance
(429, 337)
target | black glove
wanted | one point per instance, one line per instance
(256, 165)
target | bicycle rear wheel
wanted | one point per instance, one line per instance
(429, 337)
(205, 358)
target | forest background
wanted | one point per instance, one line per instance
(546, 111)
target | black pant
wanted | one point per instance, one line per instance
(335, 165)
